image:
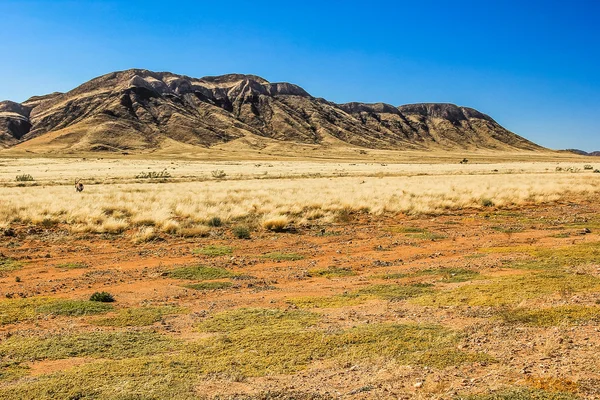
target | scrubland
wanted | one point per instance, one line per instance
(323, 281)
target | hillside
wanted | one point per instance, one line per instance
(140, 110)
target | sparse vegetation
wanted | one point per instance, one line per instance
(9, 265)
(218, 174)
(210, 285)
(139, 316)
(555, 316)
(24, 178)
(215, 221)
(73, 265)
(332, 272)
(214, 251)
(278, 256)
(164, 174)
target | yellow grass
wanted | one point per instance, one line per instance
(295, 192)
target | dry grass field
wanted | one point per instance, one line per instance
(299, 279)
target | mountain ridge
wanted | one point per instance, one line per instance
(140, 110)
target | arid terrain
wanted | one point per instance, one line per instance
(300, 279)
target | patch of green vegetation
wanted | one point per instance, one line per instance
(508, 229)
(427, 236)
(12, 311)
(332, 272)
(139, 316)
(555, 316)
(561, 235)
(511, 290)
(552, 258)
(199, 272)
(522, 394)
(73, 265)
(340, 300)
(405, 229)
(10, 371)
(210, 285)
(257, 342)
(395, 292)
(244, 342)
(277, 256)
(21, 348)
(9, 265)
(447, 275)
(259, 318)
(214, 251)
(390, 292)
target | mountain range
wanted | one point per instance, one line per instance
(140, 110)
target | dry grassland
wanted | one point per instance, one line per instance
(299, 280)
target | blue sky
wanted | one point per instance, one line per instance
(533, 67)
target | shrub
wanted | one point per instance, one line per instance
(215, 221)
(25, 178)
(103, 297)
(597, 171)
(218, 174)
(241, 232)
(487, 203)
(588, 167)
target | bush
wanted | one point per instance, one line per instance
(25, 178)
(588, 167)
(103, 297)
(215, 221)
(241, 232)
(218, 174)
(597, 171)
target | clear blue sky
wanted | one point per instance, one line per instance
(534, 66)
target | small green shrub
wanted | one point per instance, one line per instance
(588, 167)
(241, 232)
(215, 222)
(103, 297)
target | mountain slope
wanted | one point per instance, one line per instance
(142, 110)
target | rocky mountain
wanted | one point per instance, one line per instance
(141, 110)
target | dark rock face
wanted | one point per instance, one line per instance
(140, 109)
